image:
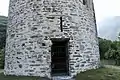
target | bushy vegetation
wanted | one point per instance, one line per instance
(2, 58)
(104, 46)
(110, 50)
(3, 26)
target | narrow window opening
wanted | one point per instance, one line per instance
(84, 2)
(61, 27)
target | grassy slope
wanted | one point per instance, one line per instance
(100, 74)
(2, 77)
(109, 73)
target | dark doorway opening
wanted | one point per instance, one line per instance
(60, 65)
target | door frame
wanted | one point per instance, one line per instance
(67, 52)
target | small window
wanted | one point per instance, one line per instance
(84, 2)
(61, 27)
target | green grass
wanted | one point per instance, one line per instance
(100, 74)
(108, 73)
(3, 77)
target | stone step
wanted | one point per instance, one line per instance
(62, 78)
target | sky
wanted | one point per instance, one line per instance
(4, 7)
(106, 8)
(108, 18)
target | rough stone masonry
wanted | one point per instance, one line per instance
(33, 23)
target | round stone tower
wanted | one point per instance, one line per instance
(51, 37)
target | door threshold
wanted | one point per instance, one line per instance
(62, 78)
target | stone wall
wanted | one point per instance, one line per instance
(32, 23)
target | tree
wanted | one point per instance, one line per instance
(104, 46)
(109, 54)
(119, 36)
(1, 58)
(114, 55)
(3, 26)
(114, 52)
